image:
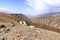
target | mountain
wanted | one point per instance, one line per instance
(40, 31)
(21, 17)
(4, 17)
(52, 20)
(49, 14)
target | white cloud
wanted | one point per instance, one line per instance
(41, 6)
(29, 2)
(27, 9)
(8, 10)
(42, 3)
(36, 4)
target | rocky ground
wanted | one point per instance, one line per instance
(19, 32)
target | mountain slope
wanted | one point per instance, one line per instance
(52, 20)
(4, 17)
(22, 17)
(22, 32)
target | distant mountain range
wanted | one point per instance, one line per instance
(50, 19)
(49, 14)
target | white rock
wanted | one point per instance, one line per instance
(32, 27)
(23, 23)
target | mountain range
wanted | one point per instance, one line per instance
(37, 28)
(50, 19)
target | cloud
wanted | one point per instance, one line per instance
(27, 9)
(8, 10)
(42, 3)
(44, 6)
(36, 4)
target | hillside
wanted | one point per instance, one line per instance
(26, 33)
(4, 17)
(43, 24)
(52, 20)
(40, 31)
(22, 17)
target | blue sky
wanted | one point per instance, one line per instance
(30, 7)
(17, 5)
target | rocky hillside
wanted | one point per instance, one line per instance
(52, 20)
(37, 31)
(21, 17)
(20, 32)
